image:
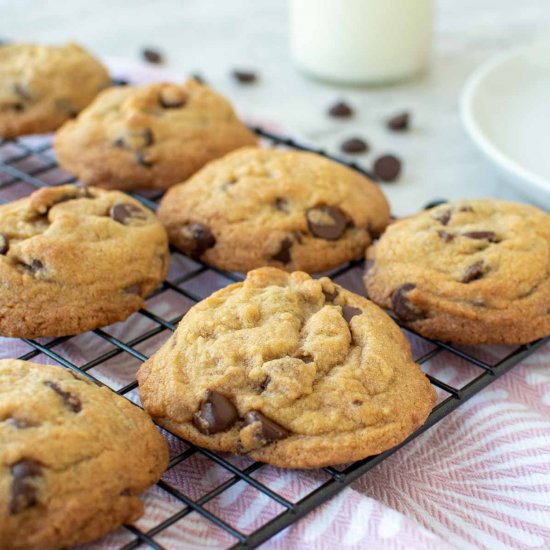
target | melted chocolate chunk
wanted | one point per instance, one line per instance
(203, 239)
(474, 272)
(340, 110)
(216, 414)
(444, 217)
(123, 212)
(445, 237)
(23, 488)
(4, 244)
(330, 296)
(326, 230)
(70, 400)
(283, 255)
(402, 306)
(349, 312)
(400, 122)
(488, 235)
(269, 431)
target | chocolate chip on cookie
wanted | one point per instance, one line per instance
(24, 492)
(349, 312)
(283, 254)
(216, 414)
(124, 212)
(70, 400)
(402, 306)
(4, 244)
(172, 97)
(203, 239)
(485, 235)
(474, 272)
(267, 430)
(326, 222)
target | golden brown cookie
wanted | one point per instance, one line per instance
(289, 370)
(149, 136)
(258, 207)
(470, 272)
(74, 458)
(74, 259)
(43, 86)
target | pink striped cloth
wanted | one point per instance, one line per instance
(478, 479)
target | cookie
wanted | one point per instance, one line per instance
(43, 86)
(150, 136)
(73, 458)
(73, 259)
(468, 272)
(257, 207)
(289, 370)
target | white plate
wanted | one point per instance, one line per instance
(505, 108)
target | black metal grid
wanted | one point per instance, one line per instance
(27, 164)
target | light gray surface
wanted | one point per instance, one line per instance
(214, 36)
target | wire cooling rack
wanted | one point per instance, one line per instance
(29, 163)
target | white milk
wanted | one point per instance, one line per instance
(361, 41)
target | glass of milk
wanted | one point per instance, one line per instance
(361, 41)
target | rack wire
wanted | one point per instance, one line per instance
(29, 163)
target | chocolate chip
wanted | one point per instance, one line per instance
(119, 82)
(216, 414)
(403, 307)
(434, 203)
(306, 358)
(152, 56)
(4, 244)
(203, 239)
(123, 212)
(489, 235)
(119, 142)
(133, 289)
(22, 91)
(330, 296)
(70, 400)
(34, 266)
(20, 423)
(172, 98)
(474, 272)
(349, 312)
(269, 431)
(387, 168)
(319, 226)
(23, 489)
(148, 137)
(340, 110)
(444, 217)
(245, 77)
(357, 402)
(354, 146)
(281, 204)
(399, 122)
(445, 237)
(197, 78)
(283, 255)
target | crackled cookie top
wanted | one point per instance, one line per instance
(43, 86)
(149, 136)
(73, 458)
(290, 370)
(73, 259)
(258, 207)
(471, 271)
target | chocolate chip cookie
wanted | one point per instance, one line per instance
(149, 136)
(43, 86)
(73, 259)
(470, 272)
(259, 207)
(73, 458)
(289, 370)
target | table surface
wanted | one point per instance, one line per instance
(214, 36)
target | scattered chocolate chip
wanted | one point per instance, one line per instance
(283, 255)
(123, 212)
(349, 312)
(4, 244)
(70, 400)
(340, 110)
(330, 296)
(474, 272)
(387, 168)
(198, 78)
(445, 237)
(152, 56)
(402, 306)
(119, 82)
(281, 204)
(22, 91)
(489, 235)
(203, 239)
(245, 77)
(354, 146)
(269, 431)
(319, 226)
(23, 489)
(399, 122)
(434, 203)
(444, 217)
(172, 98)
(216, 414)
